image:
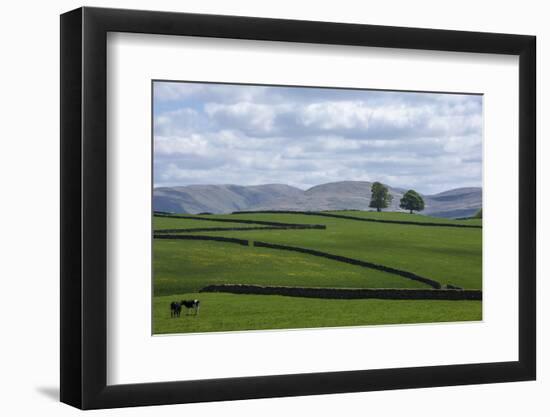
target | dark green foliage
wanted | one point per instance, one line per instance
(412, 201)
(380, 197)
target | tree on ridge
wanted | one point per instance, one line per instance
(412, 201)
(380, 196)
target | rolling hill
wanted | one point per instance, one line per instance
(343, 195)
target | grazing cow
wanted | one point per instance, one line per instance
(191, 304)
(175, 309)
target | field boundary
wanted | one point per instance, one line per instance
(243, 242)
(347, 293)
(432, 283)
(244, 221)
(233, 229)
(365, 264)
(363, 219)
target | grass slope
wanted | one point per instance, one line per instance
(448, 255)
(160, 223)
(420, 218)
(229, 312)
(184, 266)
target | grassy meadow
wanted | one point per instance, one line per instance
(232, 312)
(448, 255)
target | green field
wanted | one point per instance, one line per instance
(399, 216)
(448, 255)
(230, 312)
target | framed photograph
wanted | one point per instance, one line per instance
(256, 208)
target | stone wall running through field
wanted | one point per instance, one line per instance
(244, 221)
(233, 229)
(348, 293)
(363, 219)
(243, 242)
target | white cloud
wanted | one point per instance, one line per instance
(244, 115)
(334, 115)
(209, 133)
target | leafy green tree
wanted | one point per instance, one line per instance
(380, 196)
(412, 201)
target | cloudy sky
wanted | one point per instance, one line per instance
(249, 135)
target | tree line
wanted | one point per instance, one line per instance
(381, 198)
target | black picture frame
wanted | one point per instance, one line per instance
(84, 207)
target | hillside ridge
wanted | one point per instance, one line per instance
(341, 195)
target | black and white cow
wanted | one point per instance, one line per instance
(191, 305)
(175, 307)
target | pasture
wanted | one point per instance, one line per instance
(182, 267)
(231, 312)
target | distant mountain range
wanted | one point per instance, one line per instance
(350, 195)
